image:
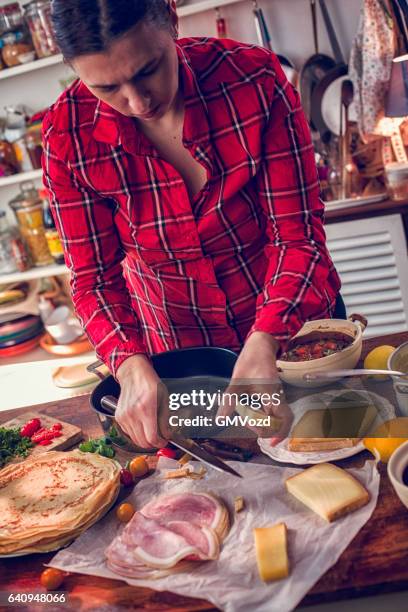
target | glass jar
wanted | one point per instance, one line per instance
(396, 176)
(33, 141)
(13, 253)
(38, 16)
(8, 160)
(16, 44)
(7, 263)
(27, 207)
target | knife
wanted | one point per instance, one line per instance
(185, 444)
(341, 373)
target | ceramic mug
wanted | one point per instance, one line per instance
(62, 326)
(397, 464)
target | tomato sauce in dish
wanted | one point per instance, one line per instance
(315, 349)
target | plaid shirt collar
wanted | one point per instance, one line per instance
(113, 128)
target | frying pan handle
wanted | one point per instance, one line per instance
(93, 369)
(314, 23)
(338, 55)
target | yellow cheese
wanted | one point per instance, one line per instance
(271, 552)
(328, 490)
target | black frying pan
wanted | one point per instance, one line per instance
(313, 70)
(339, 70)
(207, 365)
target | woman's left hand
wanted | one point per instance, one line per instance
(255, 372)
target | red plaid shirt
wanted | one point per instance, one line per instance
(152, 270)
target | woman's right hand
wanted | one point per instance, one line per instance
(142, 403)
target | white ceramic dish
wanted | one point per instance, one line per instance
(396, 466)
(281, 452)
(292, 372)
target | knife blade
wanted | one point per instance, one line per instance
(185, 444)
(192, 448)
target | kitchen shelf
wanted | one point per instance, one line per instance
(43, 272)
(203, 5)
(7, 73)
(14, 179)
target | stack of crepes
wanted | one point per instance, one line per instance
(48, 500)
(169, 534)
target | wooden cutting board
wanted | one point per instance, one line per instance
(71, 434)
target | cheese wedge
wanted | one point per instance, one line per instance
(271, 552)
(328, 490)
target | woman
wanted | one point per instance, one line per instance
(182, 181)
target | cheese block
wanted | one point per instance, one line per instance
(328, 490)
(271, 552)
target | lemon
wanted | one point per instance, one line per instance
(387, 438)
(377, 359)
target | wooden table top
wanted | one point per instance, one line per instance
(376, 561)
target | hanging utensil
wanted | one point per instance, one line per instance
(339, 70)
(109, 403)
(265, 41)
(351, 183)
(314, 69)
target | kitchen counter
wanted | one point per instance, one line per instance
(374, 563)
(360, 211)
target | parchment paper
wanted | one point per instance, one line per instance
(232, 583)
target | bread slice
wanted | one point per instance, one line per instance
(328, 490)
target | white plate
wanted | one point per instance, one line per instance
(281, 452)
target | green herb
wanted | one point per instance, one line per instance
(12, 445)
(116, 437)
(97, 445)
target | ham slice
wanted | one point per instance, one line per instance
(197, 508)
(170, 533)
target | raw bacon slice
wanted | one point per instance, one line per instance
(168, 535)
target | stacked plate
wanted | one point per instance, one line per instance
(73, 490)
(19, 333)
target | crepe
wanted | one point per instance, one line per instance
(52, 498)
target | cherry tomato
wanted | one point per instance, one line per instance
(51, 578)
(170, 453)
(126, 478)
(125, 512)
(331, 345)
(30, 428)
(138, 467)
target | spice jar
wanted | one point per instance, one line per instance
(27, 207)
(396, 176)
(38, 16)
(16, 42)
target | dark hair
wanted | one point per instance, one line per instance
(90, 26)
